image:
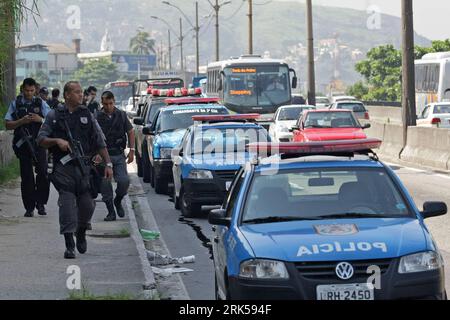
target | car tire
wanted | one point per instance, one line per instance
(176, 200)
(139, 165)
(161, 185)
(146, 166)
(188, 210)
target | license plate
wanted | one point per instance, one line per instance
(345, 292)
(228, 185)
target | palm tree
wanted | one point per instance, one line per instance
(142, 43)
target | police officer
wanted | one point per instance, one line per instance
(116, 127)
(76, 204)
(25, 116)
(91, 103)
(54, 101)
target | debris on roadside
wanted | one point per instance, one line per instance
(167, 272)
(158, 259)
(148, 235)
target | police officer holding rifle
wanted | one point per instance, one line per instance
(25, 116)
(73, 136)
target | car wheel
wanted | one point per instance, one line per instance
(187, 209)
(161, 185)
(139, 165)
(152, 174)
(176, 200)
(146, 166)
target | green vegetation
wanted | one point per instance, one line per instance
(124, 232)
(84, 294)
(382, 71)
(97, 73)
(9, 172)
(141, 43)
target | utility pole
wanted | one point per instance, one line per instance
(181, 47)
(197, 45)
(217, 8)
(250, 26)
(408, 74)
(170, 52)
(9, 80)
(311, 71)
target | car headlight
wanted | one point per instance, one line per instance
(166, 153)
(200, 174)
(420, 262)
(263, 269)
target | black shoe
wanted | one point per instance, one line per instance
(29, 214)
(70, 246)
(111, 211)
(110, 217)
(81, 240)
(89, 226)
(41, 210)
(119, 208)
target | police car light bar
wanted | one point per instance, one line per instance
(177, 92)
(315, 148)
(251, 117)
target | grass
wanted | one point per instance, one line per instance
(84, 294)
(125, 232)
(3, 110)
(9, 172)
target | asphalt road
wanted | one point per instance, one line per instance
(191, 236)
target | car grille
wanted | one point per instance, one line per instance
(227, 175)
(327, 270)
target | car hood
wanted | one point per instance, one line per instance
(219, 161)
(330, 240)
(334, 134)
(170, 139)
(286, 123)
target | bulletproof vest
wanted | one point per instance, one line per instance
(114, 129)
(81, 126)
(23, 109)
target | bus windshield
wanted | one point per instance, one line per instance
(122, 91)
(265, 86)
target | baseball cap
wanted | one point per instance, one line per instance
(44, 90)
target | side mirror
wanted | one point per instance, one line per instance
(138, 121)
(434, 209)
(366, 126)
(218, 217)
(147, 131)
(294, 82)
(219, 84)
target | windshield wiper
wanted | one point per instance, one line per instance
(356, 215)
(278, 219)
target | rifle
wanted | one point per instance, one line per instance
(29, 140)
(77, 153)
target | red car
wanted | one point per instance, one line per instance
(322, 125)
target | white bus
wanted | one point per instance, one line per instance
(432, 79)
(251, 84)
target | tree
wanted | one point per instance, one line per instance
(142, 43)
(97, 73)
(41, 77)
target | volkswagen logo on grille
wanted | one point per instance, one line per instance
(344, 270)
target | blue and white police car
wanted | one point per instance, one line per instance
(167, 131)
(325, 221)
(210, 154)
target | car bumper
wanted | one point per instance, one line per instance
(285, 136)
(394, 286)
(163, 168)
(205, 191)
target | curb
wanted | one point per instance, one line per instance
(149, 287)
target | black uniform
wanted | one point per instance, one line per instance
(35, 191)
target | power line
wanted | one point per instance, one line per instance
(263, 4)
(236, 12)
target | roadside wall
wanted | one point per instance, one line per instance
(6, 151)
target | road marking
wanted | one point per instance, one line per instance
(419, 170)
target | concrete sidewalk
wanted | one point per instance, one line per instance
(31, 254)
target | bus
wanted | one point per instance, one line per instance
(122, 90)
(432, 79)
(251, 84)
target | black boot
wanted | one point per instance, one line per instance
(70, 246)
(111, 212)
(81, 240)
(118, 205)
(41, 210)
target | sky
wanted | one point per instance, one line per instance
(431, 17)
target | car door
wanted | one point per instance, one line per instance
(222, 237)
(178, 160)
(138, 132)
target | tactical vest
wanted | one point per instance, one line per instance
(23, 109)
(81, 126)
(114, 130)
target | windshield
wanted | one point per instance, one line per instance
(262, 86)
(355, 107)
(330, 120)
(318, 193)
(225, 140)
(287, 114)
(154, 108)
(322, 100)
(121, 92)
(441, 109)
(182, 118)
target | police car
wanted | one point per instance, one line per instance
(327, 221)
(210, 154)
(167, 131)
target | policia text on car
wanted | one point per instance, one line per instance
(25, 116)
(76, 205)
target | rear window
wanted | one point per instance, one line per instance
(289, 114)
(170, 120)
(330, 120)
(355, 107)
(441, 109)
(318, 192)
